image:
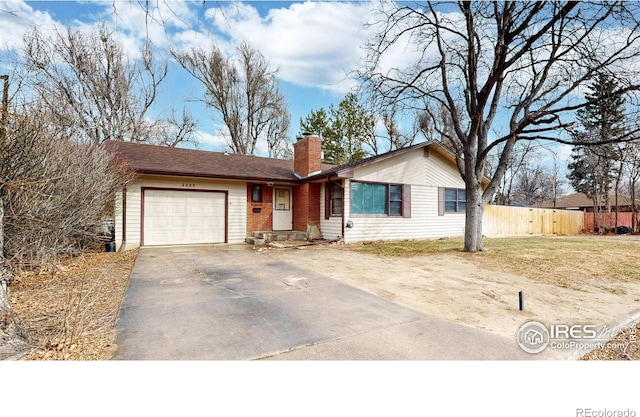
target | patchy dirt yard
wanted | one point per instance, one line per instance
(569, 281)
(69, 311)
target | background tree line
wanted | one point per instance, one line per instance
(604, 165)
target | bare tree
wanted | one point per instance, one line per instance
(529, 178)
(526, 62)
(395, 135)
(12, 341)
(177, 130)
(244, 92)
(438, 125)
(277, 145)
(515, 165)
(92, 88)
(56, 189)
(534, 184)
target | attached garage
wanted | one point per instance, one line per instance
(179, 217)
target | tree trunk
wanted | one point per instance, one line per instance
(473, 219)
(596, 220)
(617, 190)
(13, 340)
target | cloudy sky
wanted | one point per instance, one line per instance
(315, 45)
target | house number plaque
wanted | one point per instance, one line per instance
(188, 185)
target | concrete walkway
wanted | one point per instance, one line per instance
(229, 302)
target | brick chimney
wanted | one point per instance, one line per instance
(307, 155)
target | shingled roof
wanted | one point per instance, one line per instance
(580, 200)
(162, 160)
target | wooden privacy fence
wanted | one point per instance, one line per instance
(608, 220)
(500, 221)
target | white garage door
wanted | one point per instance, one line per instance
(184, 217)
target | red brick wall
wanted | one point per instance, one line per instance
(300, 206)
(307, 155)
(314, 204)
(262, 221)
(306, 206)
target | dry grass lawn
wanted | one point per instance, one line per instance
(562, 261)
(565, 262)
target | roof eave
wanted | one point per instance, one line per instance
(210, 176)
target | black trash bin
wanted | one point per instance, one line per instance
(110, 247)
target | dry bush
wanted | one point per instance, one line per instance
(56, 191)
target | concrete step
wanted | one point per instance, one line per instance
(271, 236)
(252, 240)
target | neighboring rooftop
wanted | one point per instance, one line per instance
(581, 201)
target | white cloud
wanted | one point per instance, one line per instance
(219, 143)
(188, 39)
(314, 44)
(211, 142)
(135, 23)
(17, 18)
(150, 20)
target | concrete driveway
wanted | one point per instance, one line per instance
(230, 302)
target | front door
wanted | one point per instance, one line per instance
(282, 213)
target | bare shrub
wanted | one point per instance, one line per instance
(56, 191)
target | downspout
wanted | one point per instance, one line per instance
(124, 219)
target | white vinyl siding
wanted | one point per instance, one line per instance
(425, 174)
(330, 228)
(117, 215)
(442, 172)
(237, 205)
(413, 168)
